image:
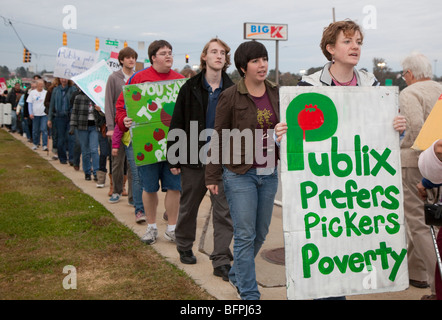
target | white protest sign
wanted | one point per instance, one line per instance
(93, 82)
(342, 195)
(111, 59)
(71, 62)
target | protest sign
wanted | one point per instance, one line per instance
(431, 130)
(5, 113)
(111, 59)
(71, 62)
(342, 195)
(10, 83)
(93, 82)
(3, 85)
(151, 105)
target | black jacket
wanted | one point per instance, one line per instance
(191, 106)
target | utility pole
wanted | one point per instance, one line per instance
(333, 13)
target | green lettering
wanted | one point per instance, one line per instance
(342, 265)
(356, 258)
(337, 158)
(309, 224)
(365, 225)
(319, 170)
(306, 195)
(310, 255)
(332, 231)
(326, 265)
(376, 190)
(378, 219)
(398, 258)
(393, 219)
(382, 162)
(349, 224)
(363, 195)
(394, 203)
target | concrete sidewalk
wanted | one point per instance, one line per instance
(270, 274)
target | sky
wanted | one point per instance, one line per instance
(393, 29)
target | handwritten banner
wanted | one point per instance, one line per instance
(151, 105)
(71, 62)
(93, 82)
(342, 192)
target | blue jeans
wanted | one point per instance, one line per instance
(250, 197)
(13, 120)
(65, 141)
(137, 189)
(89, 149)
(40, 126)
(25, 125)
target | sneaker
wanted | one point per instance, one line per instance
(115, 198)
(169, 235)
(100, 185)
(140, 217)
(86, 176)
(186, 256)
(34, 147)
(222, 271)
(150, 237)
(45, 148)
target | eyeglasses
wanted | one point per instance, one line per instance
(164, 54)
(403, 74)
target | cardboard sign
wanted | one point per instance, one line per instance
(342, 192)
(111, 59)
(431, 130)
(151, 105)
(3, 85)
(10, 83)
(93, 82)
(71, 62)
(5, 113)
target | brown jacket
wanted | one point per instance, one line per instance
(236, 110)
(415, 103)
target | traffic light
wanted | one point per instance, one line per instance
(65, 39)
(26, 56)
(187, 58)
(97, 44)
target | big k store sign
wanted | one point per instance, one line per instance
(265, 31)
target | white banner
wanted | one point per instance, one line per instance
(342, 192)
(71, 62)
(93, 82)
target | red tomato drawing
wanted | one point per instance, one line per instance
(310, 118)
(159, 134)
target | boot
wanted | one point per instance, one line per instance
(101, 176)
(124, 186)
(111, 187)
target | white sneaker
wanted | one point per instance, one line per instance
(170, 236)
(34, 147)
(150, 237)
(45, 148)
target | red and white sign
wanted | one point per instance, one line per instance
(265, 31)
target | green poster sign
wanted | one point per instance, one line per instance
(151, 105)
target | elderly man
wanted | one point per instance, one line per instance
(37, 113)
(416, 102)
